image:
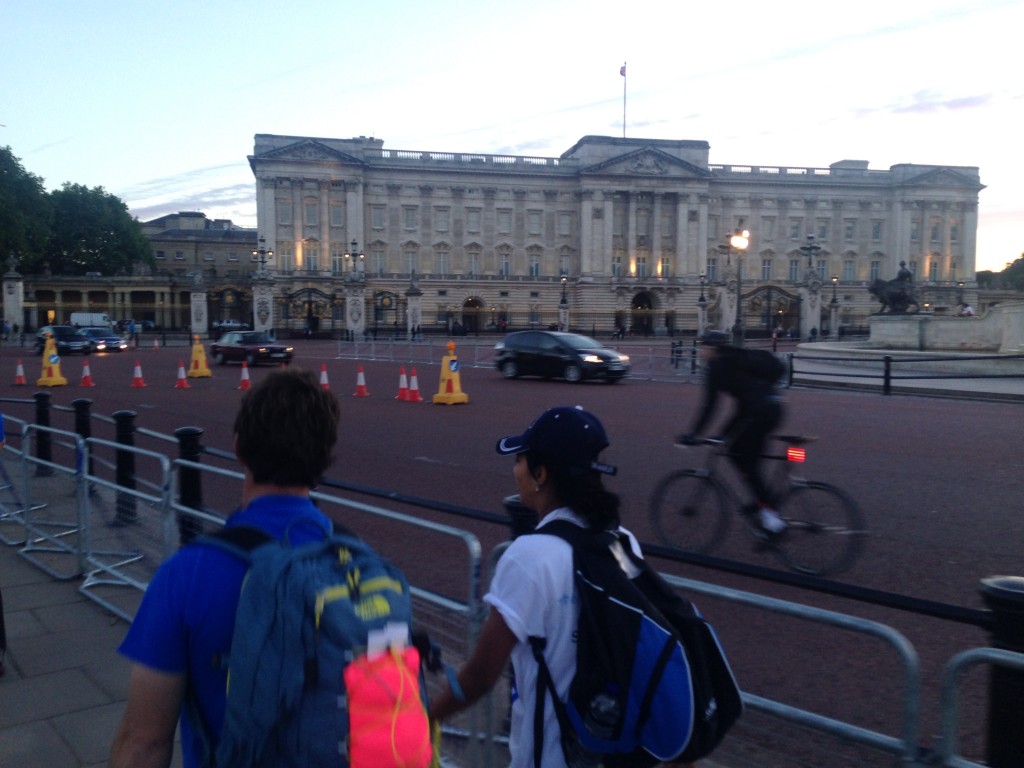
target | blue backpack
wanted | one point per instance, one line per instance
(652, 683)
(321, 670)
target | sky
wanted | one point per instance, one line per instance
(158, 103)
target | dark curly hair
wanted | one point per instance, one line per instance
(584, 493)
(286, 427)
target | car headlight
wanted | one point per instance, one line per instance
(624, 358)
(592, 359)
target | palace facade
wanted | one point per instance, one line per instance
(627, 233)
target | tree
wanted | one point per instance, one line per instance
(93, 232)
(25, 212)
(1010, 279)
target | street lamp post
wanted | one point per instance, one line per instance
(738, 241)
(354, 257)
(835, 279)
(812, 249)
(563, 305)
(262, 254)
(702, 306)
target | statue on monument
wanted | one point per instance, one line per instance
(896, 295)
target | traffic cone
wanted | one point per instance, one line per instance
(414, 388)
(19, 374)
(361, 390)
(403, 386)
(323, 376)
(182, 381)
(51, 375)
(199, 367)
(244, 383)
(137, 376)
(86, 375)
(156, 343)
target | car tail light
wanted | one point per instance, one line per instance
(796, 454)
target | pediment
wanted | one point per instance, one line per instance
(646, 161)
(310, 151)
(943, 177)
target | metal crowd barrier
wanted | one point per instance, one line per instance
(121, 545)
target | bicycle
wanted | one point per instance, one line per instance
(825, 529)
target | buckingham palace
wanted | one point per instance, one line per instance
(614, 235)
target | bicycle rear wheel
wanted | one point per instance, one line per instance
(688, 511)
(825, 529)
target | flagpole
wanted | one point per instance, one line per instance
(623, 73)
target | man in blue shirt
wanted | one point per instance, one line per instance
(285, 431)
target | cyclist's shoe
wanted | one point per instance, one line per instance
(687, 438)
(768, 528)
(770, 521)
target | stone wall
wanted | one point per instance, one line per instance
(1000, 329)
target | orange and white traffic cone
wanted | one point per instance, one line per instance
(19, 374)
(403, 386)
(182, 382)
(414, 388)
(86, 375)
(137, 376)
(245, 383)
(156, 343)
(323, 376)
(361, 390)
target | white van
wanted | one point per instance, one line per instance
(91, 319)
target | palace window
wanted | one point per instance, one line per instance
(337, 215)
(876, 231)
(284, 212)
(616, 265)
(766, 269)
(312, 214)
(564, 224)
(533, 219)
(796, 229)
(823, 229)
(794, 270)
(665, 267)
(712, 271)
(849, 272)
(441, 219)
(410, 261)
(876, 271)
(641, 265)
(377, 216)
(473, 220)
(409, 214)
(850, 230)
(504, 222)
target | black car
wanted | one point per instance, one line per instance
(550, 353)
(69, 340)
(105, 340)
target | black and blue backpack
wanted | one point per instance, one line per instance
(652, 683)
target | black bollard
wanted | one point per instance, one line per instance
(1004, 595)
(190, 484)
(124, 429)
(83, 426)
(44, 440)
(521, 519)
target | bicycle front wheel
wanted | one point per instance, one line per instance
(825, 529)
(688, 511)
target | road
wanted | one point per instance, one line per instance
(939, 482)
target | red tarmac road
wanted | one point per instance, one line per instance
(939, 482)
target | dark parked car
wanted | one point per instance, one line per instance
(550, 353)
(105, 340)
(69, 340)
(251, 346)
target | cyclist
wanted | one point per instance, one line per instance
(758, 412)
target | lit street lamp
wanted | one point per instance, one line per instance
(262, 254)
(738, 241)
(835, 279)
(353, 257)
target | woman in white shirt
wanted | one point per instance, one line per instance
(559, 477)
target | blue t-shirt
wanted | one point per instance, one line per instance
(187, 616)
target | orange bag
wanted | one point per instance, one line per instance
(388, 725)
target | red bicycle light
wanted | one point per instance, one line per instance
(798, 455)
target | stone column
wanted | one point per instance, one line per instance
(199, 320)
(263, 303)
(586, 229)
(14, 295)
